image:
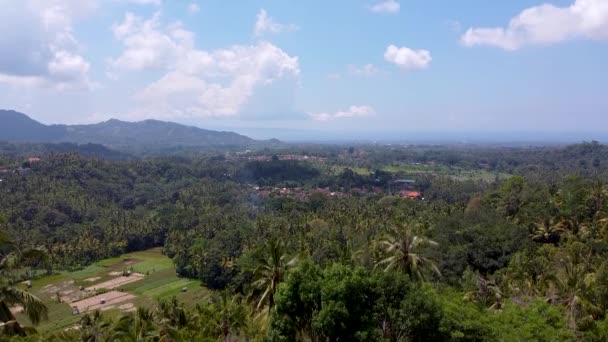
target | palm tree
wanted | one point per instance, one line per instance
(402, 248)
(271, 270)
(138, 328)
(11, 258)
(224, 317)
(547, 232)
(572, 278)
(171, 316)
(94, 327)
(601, 221)
(598, 195)
(487, 294)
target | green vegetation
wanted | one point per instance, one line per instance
(435, 243)
(160, 282)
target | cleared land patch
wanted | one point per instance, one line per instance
(153, 277)
(116, 282)
(103, 301)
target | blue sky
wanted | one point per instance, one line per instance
(336, 68)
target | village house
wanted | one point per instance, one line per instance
(410, 194)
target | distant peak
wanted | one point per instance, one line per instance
(114, 121)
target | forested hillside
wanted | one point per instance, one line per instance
(149, 134)
(319, 243)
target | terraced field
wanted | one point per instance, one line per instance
(102, 286)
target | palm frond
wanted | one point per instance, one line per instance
(33, 307)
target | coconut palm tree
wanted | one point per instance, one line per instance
(137, 328)
(11, 258)
(547, 231)
(94, 328)
(171, 316)
(597, 196)
(271, 270)
(403, 248)
(487, 294)
(224, 317)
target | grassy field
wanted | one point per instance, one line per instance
(160, 281)
(428, 169)
(442, 170)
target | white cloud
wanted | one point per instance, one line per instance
(406, 58)
(353, 111)
(266, 24)
(196, 83)
(147, 45)
(389, 6)
(545, 24)
(366, 70)
(193, 8)
(43, 49)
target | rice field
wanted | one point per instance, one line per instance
(155, 279)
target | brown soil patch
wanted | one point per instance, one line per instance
(116, 282)
(68, 292)
(115, 273)
(92, 279)
(111, 299)
(17, 309)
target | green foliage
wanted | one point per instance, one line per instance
(517, 259)
(538, 321)
(271, 172)
(342, 302)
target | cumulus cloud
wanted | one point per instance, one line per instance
(353, 111)
(366, 70)
(266, 24)
(147, 45)
(545, 24)
(196, 83)
(193, 8)
(389, 6)
(40, 49)
(406, 58)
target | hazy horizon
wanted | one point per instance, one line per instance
(295, 135)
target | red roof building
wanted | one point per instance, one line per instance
(411, 194)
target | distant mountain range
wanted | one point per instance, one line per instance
(18, 127)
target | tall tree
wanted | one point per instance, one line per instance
(403, 248)
(272, 267)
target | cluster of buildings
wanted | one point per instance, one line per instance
(298, 193)
(299, 157)
(22, 170)
(407, 189)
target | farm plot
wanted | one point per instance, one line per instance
(152, 277)
(106, 301)
(116, 282)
